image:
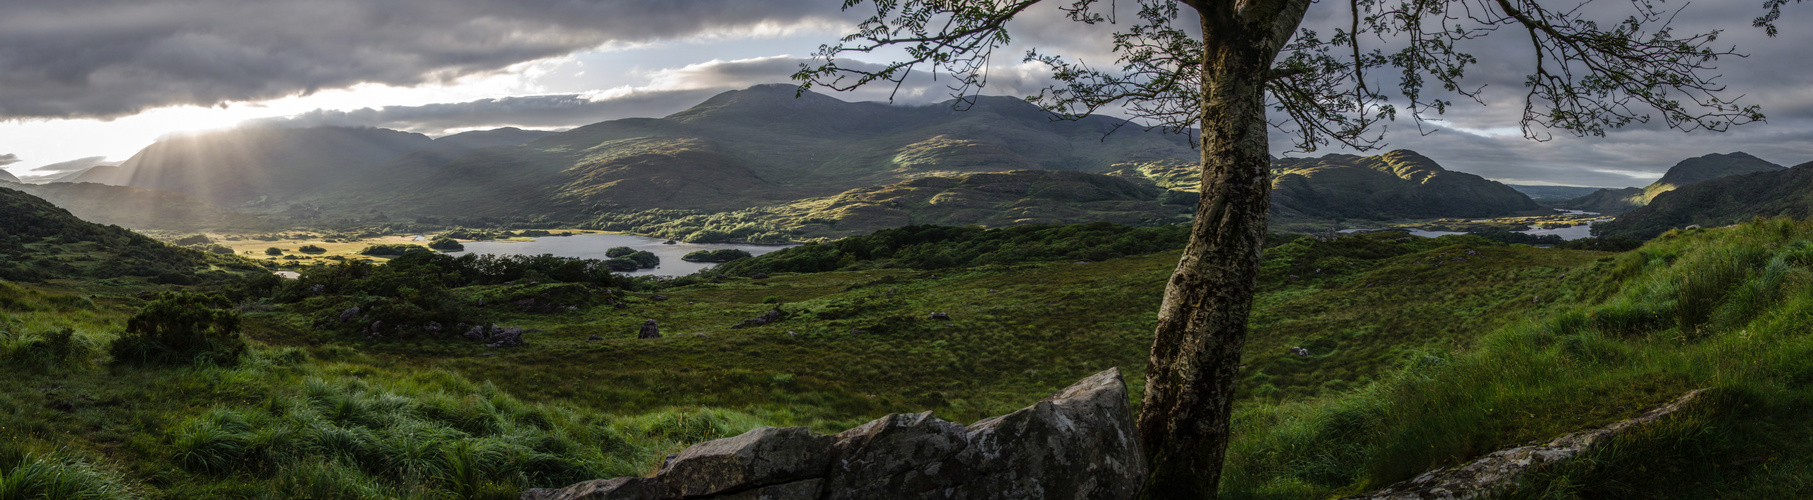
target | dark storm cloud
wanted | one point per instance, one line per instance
(111, 58)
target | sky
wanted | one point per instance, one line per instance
(88, 81)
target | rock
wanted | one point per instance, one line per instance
(897, 454)
(759, 276)
(505, 337)
(1501, 470)
(658, 298)
(807, 489)
(765, 456)
(623, 488)
(770, 317)
(1299, 351)
(670, 242)
(941, 316)
(1078, 443)
(349, 314)
(649, 330)
(594, 338)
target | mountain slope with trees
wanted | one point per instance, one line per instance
(1720, 202)
(1687, 172)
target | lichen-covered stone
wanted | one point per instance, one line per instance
(623, 488)
(765, 456)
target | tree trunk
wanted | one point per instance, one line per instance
(1202, 325)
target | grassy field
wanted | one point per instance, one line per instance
(1422, 352)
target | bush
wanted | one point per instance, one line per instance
(392, 249)
(181, 328)
(446, 244)
(273, 251)
(719, 255)
(194, 239)
(312, 249)
(619, 252)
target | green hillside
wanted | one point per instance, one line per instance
(1720, 202)
(995, 199)
(251, 165)
(40, 241)
(136, 208)
(1398, 184)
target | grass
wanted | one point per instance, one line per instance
(1713, 309)
(1416, 360)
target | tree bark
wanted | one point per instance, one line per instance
(1202, 324)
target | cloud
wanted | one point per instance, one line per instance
(542, 111)
(9, 159)
(668, 90)
(111, 58)
(71, 165)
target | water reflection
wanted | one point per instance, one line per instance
(593, 246)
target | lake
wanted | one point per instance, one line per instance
(593, 246)
(1566, 233)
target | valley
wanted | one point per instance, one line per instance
(568, 323)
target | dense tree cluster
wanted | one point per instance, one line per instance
(939, 247)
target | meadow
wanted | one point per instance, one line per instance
(1419, 353)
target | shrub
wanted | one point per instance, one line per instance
(619, 252)
(446, 244)
(719, 255)
(181, 327)
(194, 239)
(311, 249)
(392, 249)
(273, 251)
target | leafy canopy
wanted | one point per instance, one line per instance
(1584, 77)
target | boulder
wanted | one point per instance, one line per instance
(1078, 443)
(762, 457)
(649, 330)
(623, 488)
(900, 455)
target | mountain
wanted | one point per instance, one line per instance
(988, 199)
(111, 175)
(8, 176)
(139, 208)
(1687, 172)
(1398, 184)
(479, 139)
(1542, 194)
(39, 241)
(252, 165)
(751, 147)
(1719, 202)
(66, 170)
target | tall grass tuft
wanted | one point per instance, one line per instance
(60, 476)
